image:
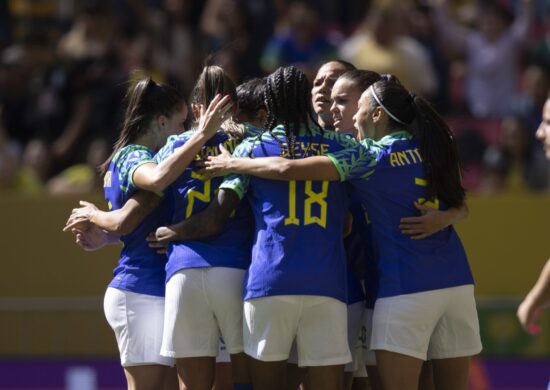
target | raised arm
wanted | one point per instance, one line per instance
(523, 21)
(207, 223)
(121, 221)
(451, 32)
(273, 168)
(431, 220)
(156, 177)
(536, 300)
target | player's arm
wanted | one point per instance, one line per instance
(119, 222)
(207, 223)
(156, 177)
(431, 221)
(94, 238)
(536, 299)
(273, 168)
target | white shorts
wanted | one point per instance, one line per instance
(201, 303)
(355, 322)
(438, 324)
(319, 325)
(137, 320)
(369, 356)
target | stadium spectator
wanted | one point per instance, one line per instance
(380, 45)
(491, 53)
(539, 50)
(513, 165)
(301, 42)
(227, 25)
(422, 28)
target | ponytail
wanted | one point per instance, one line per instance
(439, 151)
(145, 101)
(214, 80)
(436, 141)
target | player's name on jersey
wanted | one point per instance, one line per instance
(405, 157)
(107, 179)
(214, 150)
(306, 149)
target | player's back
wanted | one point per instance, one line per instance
(389, 185)
(298, 245)
(191, 193)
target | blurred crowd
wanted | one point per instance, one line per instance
(65, 64)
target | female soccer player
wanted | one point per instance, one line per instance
(539, 296)
(425, 306)
(325, 78)
(204, 278)
(296, 284)
(345, 94)
(134, 300)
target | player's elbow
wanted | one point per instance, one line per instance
(157, 183)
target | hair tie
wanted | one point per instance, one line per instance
(384, 107)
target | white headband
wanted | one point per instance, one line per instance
(371, 89)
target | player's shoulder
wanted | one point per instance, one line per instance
(251, 131)
(339, 140)
(401, 137)
(132, 153)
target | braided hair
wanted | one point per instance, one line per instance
(287, 98)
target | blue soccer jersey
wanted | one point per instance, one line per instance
(191, 193)
(356, 254)
(363, 248)
(251, 130)
(388, 174)
(298, 245)
(140, 268)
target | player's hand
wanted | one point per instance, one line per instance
(81, 217)
(528, 315)
(217, 112)
(92, 239)
(430, 222)
(218, 165)
(160, 238)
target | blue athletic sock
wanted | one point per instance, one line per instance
(242, 386)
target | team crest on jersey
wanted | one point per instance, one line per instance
(107, 179)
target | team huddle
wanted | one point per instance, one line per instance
(306, 230)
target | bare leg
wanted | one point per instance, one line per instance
(223, 379)
(360, 384)
(268, 375)
(326, 377)
(426, 377)
(147, 377)
(294, 376)
(240, 368)
(196, 373)
(451, 374)
(171, 381)
(348, 380)
(398, 371)
(374, 378)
